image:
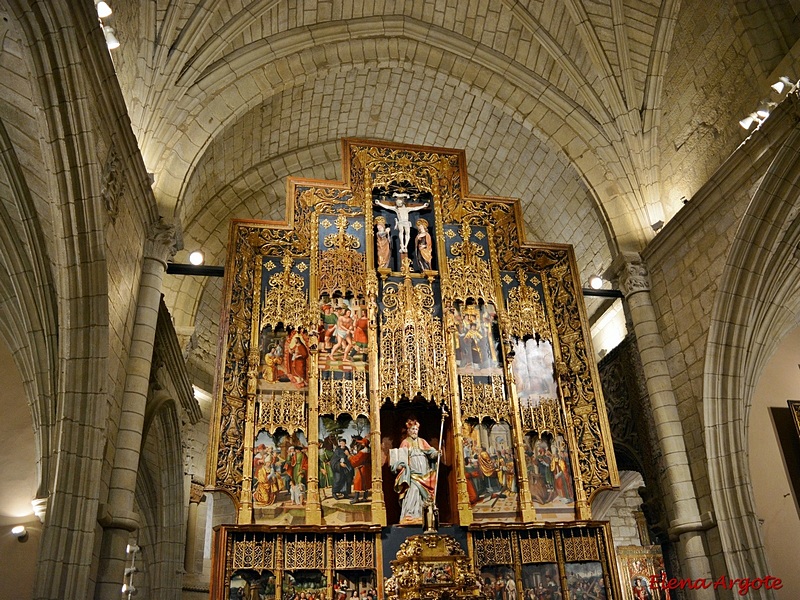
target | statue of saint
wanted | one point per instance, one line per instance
(403, 212)
(424, 246)
(383, 239)
(415, 464)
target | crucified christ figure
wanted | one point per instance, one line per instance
(403, 223)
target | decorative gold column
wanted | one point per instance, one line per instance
(245, 513)
(378, 503)
(526, 506)
(313, 506)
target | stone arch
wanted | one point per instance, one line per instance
(160, 495)
(758, 301)
(29, 312)
(54, 56)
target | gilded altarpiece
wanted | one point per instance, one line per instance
(395, 320)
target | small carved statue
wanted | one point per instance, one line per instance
(403, 212)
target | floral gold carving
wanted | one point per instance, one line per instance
(286, 410)
(342, 268)
(537, 548)
(354, 551)
(431, 567)
(412, 357)
(257, 553)
(544, 416)
(304, 552)
(525, 312)
(493, 550)
(470, 276)
(286, 300)
(480, 400)
(344, 396)
(580, 547)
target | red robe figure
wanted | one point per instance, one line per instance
(362, 467)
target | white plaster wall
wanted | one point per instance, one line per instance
(18, 477)
(776, 506)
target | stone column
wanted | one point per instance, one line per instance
(686, 523)
(117, 517)
(196, 496)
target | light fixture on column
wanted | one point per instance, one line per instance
(111, 39)
(595, 282)
(196, 258)
(20, 532)
(784, 84)
(128, 589)
(103, 9)
(748, 121)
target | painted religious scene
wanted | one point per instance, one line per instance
(540, 581)
(355, 584)
(305, 585)
(550, 477)
(280, 477)
(343, 334)
(345, 469)
(285, 359)
(490, 470)
(477, 340)
(585, 581)
(251, 585)
(533, 368)
(498, 582)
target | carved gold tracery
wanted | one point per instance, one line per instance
(354, 551)
(257, 553)
(493, 550)
(344, 396)
(576, 383)
(525, 311)
(412, 357)
(286, 410)
(286, 300)
(536, 547)
(544, 416)
(580, 546)
(342, 268)
(479, 400)
(304, 552)
(470, 276)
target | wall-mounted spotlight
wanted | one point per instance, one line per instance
(111, 39)
(595, 282)
(748, 121)
(103, 9)
(784, 84)
(657, 225)
(196, 258)
(20, 532)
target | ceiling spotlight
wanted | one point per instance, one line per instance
(111, 39)
(595, 282)
(196, 258)
(103, 9)
(20, 532)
